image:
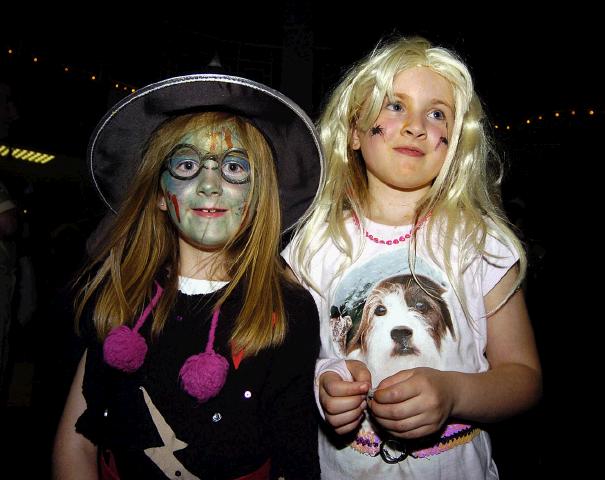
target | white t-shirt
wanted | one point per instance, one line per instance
(374, 312)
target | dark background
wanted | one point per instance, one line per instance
(526, 67)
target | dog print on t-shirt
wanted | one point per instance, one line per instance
(391, 318)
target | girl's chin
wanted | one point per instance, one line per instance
(209, 246)
(204, 245)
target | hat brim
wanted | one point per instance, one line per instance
(119, 140)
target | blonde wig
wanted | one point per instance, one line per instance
(143, 246)
(464, 198)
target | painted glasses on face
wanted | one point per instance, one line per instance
(185, 162)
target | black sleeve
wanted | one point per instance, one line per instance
(294, 422)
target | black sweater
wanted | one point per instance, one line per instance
(266, 409)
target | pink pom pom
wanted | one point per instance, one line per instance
(124, 349)
(203, 375)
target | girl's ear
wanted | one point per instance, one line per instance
(162, 203)
(355, 144)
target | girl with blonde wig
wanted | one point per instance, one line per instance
(198, 345)
(411, 187)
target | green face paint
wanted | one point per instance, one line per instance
(208, 209)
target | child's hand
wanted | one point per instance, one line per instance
(343, 402)
(413, 403)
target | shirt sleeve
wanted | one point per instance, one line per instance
(288, 255)
(497, 260)
(294, 424)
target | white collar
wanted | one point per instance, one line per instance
(195, 286)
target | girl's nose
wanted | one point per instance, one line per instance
(413, 126)
(210, 180)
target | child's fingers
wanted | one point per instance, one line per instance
(347, 420)
(390, 391)
(408, 428)
(359, 371)
(398, 377)
(349, 427)
(394, 411)
(339, 405)
(336, 387)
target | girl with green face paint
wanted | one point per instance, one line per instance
(206, 187)
(197, 340)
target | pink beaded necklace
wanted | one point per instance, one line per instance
(394, 241)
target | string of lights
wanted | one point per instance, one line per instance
(551, 118)
(508, 125)
(73, 70)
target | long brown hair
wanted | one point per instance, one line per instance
(142, 246)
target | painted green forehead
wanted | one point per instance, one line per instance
(214, 138)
